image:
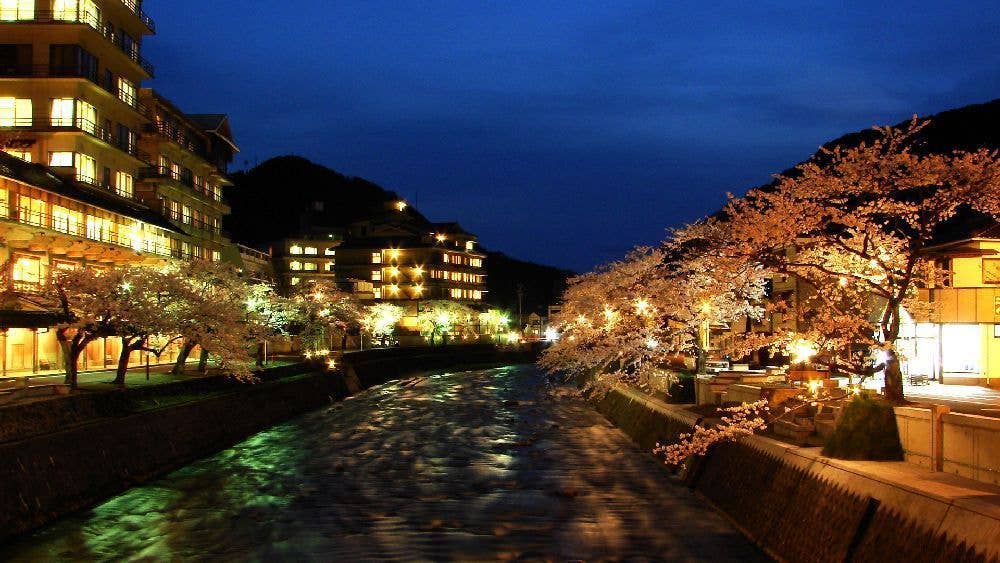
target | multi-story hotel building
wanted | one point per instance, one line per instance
(98, 172)
(393, 257)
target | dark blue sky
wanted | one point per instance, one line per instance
(570, 132)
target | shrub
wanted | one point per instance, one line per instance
(867, 430)
(682, 390)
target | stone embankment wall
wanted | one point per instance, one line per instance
(62, 455)
(800, 506)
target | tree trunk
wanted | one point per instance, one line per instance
(260, 354)
(893, 378)
(203, 361)
(182, 357)
(127, 347)
(69, 363)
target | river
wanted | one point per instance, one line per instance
(479, 465)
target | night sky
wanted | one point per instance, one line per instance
(567, 133)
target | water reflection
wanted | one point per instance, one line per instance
(451, 466)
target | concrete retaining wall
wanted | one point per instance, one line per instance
(800, 506)
(971, 446)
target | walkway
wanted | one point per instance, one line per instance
(970, 399)
(481, 465)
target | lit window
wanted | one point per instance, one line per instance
(27, 269)
(295, 249)
(216, 256)
(99, 228)
(376, 257)
(13, 10)
(15, 112)
(311, 250)
(991, 270)
(23, 155)
(310, 266)
(60, 159)
(469, 245)
(86, 117)
(377, 292)
(330, 251)
(62, 112)
(477, 262)
(295, 281)
(124, 184)
(376, 275)
(329, 266)
(86, 168)
(476, 294)
(126, 91)
(64, 266)
(444, 258)
(295, 265)
(185, 214)
(66, 220)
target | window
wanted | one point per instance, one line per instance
(330, 251)
(377, 292)
(86, 117)
(86, 168)
(329, 266)
(15, 112)
(376, 275)
(27, 270)
(31, 210)
(175, 210)
(376, 257)
(295, 249)
(62, 112)
(124, 184)
(476, 262)
(444, 258)
(175, 171)
(310, 266)
(295, 281)
(476, 294)
(23, 155)
(311, 250)
(71, 60)
(60, 159)
(66, 220)
(469, 245)
(185, 215)
(65, 266)
(126, 91)
(126, 139)
(13, 10)
(99, 228)
(83, 11)
(186, 249)
(295, 265)
(991, 270)
(216, 256)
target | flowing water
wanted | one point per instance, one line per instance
(479, 465)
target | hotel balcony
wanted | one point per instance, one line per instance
(44, 124)
(75, 17)
(43, 71)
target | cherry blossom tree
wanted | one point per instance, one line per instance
(443, 317)
(855, 225)
(380, 320)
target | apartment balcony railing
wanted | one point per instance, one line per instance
(177, 135)
(43, 71)
(254, 254)
(136, 8)
(45, 123)
(167, 173)
(75, 226)
(208, 229)
(73, 16)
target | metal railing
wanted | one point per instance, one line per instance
(254, 253)
(45, 123)
(43, 71)
(76, 226)
(177, 135)
(73, 16)
(136, 8)
(166, 173)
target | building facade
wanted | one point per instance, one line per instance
(96, 172)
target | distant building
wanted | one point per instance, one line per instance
(390, 257)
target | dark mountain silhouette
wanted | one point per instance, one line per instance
(290, 195)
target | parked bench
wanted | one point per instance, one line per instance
(919, 379)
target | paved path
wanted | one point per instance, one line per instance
(971, 399)
(481, 465)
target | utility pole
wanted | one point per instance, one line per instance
(520, 303)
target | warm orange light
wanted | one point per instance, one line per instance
(418, 288)
(441, 238)
(418, 271)
(400, 205)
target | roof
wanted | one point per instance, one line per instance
(217, 124)
(45, 178)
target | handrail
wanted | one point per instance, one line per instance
(45, 71)
(74, 16)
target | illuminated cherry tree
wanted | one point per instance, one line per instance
(855, 226)
(379, 321)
